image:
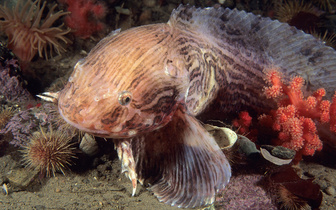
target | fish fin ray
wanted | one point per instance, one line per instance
(292, 51)
(182, 163)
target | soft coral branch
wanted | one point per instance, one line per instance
(332, 113)
(85, 18)
(295, 116)
(312, 107)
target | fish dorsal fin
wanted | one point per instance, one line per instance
(287, 48)
(114, 32)
(181, 163)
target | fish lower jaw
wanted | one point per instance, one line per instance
(102, 133)
(80, 127)
(94, 132)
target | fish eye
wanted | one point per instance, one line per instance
(125, 98)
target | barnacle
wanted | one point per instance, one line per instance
(28, 33)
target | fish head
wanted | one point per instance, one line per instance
(127, 85)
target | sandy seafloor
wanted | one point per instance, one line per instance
(96, 182)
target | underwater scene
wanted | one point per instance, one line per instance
(168, 104)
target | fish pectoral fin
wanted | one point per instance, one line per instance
(124, 150)
(181, 162)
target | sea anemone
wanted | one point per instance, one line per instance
(49, 152)
(28, 33)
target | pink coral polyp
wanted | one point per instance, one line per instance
(295, 115)
(28, 34)
(85, 17)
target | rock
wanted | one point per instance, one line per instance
(40, 207)
(277, 155)
(149, 3)
(123, 11)
(224, 137)
(280, 152)
(322, 183)
(21, 177)
(102, 168)
(246, 146)
(89, 145)
(330, 191)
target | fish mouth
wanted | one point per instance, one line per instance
(95, 132)
(99, 133)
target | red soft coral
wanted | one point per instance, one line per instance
(294, 118)
(243, 123)
(85, 18)
(296, 132)
(312, 107)
(332, 113)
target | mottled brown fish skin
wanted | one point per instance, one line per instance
(198, 56)
(163, 75)
(160, 66)
(135, 82)
(134, 62)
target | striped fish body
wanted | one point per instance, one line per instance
(129, 65)
(143, 87)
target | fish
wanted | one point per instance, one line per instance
(144, 88)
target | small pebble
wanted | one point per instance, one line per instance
(330, 191)
(101, 168)
(283, 152)
(330, 179)
(246, 146)
(89, 145)
(323, 184)
(123, 11)
(40, 207)
(57, 190)
(224, 137)
(149, 3)
(21, 177)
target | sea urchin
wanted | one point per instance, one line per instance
(289, 201)
(49, 152)
(6, 113)
(300, 14)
